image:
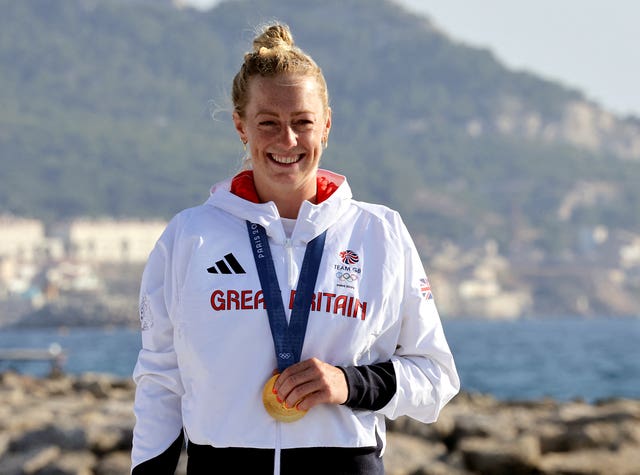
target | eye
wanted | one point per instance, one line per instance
(267, 123)
(303, 124)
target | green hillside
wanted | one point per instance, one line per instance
(121, 108)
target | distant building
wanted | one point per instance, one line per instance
(108, 240)
(21, 239)
(630, 253)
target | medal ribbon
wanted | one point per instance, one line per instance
(287, 338)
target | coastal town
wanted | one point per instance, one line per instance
(86, 272)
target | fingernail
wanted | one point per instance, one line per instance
(273, 390)
(278, 399)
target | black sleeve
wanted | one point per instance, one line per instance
(370, 386)
(163, 464)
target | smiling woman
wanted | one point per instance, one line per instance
(281, 110)
(289, 359)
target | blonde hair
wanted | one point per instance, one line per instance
(274, 53)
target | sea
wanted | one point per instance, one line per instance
(560, 358)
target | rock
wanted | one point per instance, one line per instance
(409, 455)
(519, 456)
(4, 443)
(625, 461)
(83, 425)
(552, 437)
(71, 463)
(107, 439)
(63, 435)
(99, 386)
(109, 430)
(41, 459)
(115, 463)
(434, 432)
(580, 426)
(29, 461)
(484, 425)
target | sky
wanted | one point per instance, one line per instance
(590, 45)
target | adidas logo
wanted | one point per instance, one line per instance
(227, 265)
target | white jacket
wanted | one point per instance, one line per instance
(207, 349)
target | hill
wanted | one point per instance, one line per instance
(121, 108)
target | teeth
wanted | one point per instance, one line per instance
(284, 159)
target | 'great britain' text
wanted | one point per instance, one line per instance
(346, 305)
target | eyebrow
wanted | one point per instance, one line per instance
(267, 112)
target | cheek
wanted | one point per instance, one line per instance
(314, 140)
(258, 141)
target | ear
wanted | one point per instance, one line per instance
(327, 124)
(239, 125)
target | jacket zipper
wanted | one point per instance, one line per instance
(290, 270)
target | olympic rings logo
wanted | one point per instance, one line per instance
(285, 356)
(346, 277)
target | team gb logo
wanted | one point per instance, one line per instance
(347, 274)
(349, 257)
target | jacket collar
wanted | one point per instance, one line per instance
(237, 196)
(243, 186)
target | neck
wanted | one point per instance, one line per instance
(288, 201)
(288, 204)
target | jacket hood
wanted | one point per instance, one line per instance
(313, 219)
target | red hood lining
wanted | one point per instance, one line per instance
(242, 185)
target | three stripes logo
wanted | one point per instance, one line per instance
(227, 265)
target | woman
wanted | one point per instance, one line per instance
(282, 321)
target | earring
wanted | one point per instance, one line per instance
(244, 145)
(325, 142)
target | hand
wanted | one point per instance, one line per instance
(312, 382)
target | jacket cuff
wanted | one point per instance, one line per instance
(370, 387)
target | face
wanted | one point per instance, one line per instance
(285, 123)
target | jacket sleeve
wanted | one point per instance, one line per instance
(157, 404)
(426, 374)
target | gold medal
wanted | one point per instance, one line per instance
(276, 409)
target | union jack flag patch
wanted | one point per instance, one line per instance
(425, 289)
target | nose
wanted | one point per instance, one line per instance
(289, 137)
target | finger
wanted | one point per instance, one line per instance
(318, 391)
(299, 394)
(328, 387)
(313, 377)
(310, 401)
(293, 381)
(294, 375)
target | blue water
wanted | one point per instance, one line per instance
(527, 359)
(563, 358)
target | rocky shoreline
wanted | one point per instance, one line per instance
(82, 425)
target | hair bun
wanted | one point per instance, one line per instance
(275, 37)
(274, 53)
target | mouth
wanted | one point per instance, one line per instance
(286, 159)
